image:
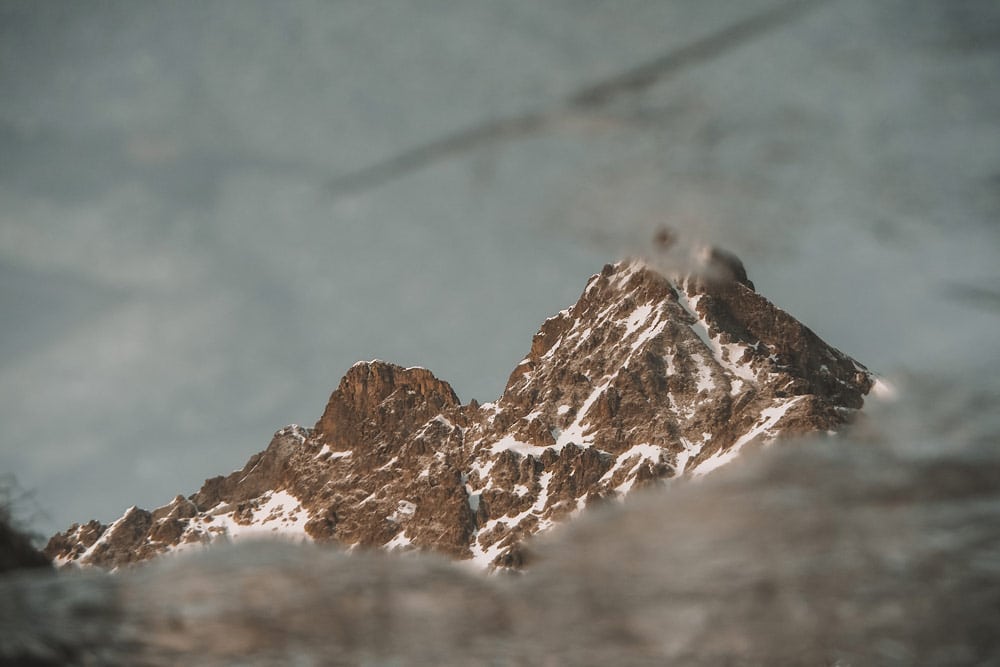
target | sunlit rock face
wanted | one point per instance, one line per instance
(648, 376)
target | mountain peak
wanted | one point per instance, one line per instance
(646, 377)
(377, 402)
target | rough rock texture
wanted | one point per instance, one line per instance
(645, 378)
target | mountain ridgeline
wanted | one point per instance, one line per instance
(646, 377)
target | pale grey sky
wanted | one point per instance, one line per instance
(181, 273)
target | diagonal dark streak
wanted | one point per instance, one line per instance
(387, 170)
(976, 296)
(585, 100)
(707, 48)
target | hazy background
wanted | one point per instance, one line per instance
(210, 210)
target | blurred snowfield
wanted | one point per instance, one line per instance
(209, 211)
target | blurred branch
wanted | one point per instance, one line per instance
(976, 296)
(18, 506)
(708, 48)
(583, 105)
(403, 163)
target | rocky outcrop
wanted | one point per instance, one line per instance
(647, 377)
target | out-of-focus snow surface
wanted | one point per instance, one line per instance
(181, 269)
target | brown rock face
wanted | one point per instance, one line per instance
(646, 377)
(378, 401)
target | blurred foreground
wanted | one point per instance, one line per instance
(879, 548)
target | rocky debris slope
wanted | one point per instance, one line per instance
(646, 377)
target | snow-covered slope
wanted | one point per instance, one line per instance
(646, 377)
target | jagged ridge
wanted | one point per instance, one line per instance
(646, 377)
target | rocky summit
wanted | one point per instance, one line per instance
(647, 377)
